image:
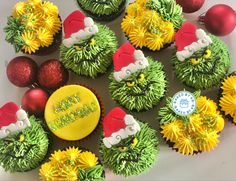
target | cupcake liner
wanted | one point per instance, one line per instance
(105, 17)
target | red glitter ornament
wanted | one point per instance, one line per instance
(52, 74)
(22, 71)
(34, 101)
(190, 6)
(219, 20)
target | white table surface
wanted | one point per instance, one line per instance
(218, 164)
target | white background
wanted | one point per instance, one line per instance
(216, 165)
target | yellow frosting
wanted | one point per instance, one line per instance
(228, 104)
(206, 105)
(185, 145)
(45, 37)
(207, 140)
(173, 130)
(31, 44)
(195, 123)
(220, 123)
(72, 112)
(229, 85)
(146, 28)
(87, 160)
(19, 9)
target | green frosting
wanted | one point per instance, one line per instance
(13, 32)
(169, 10)
(125, 159)
(101, 7)
(24, 150)
(90, 59)
(167, 114)
(208, 72)
(144, 94)
(95, 173)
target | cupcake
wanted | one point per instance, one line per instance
(72, 164)
(201, 60)
(23, 142)
(87, 47)
(102, 10)
(228, 97)
(72, 112)
(137, 83)
(152, 23)
(190, 123)
(129, 147)
(34, 27)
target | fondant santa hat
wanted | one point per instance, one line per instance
(117, 126)
(78, 27)
(12, 119)
(189, 40)
(128, 60)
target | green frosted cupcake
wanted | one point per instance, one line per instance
(129, 146)
(23, 142)
(137, 83)
(201, 60)
(102, 9)
(87, 48)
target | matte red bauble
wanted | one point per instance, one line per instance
(220, 20)
(22, 71)
(52, 74)
(34, 101)
(190, 6)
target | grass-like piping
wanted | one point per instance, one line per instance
(91, 59)
(144, 153)
(207, 73)
(144, 94)
(17, 155)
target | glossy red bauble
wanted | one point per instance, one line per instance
(52, 74)
(22, 71)
(34, 101)
(190, 6)
(220, 20)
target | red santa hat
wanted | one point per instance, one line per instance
(78, 27)
(189, 40)
(117, 126)
(128, 60)
(12, 119)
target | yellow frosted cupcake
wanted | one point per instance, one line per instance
(34, 27)
(152, 24)
(72, 164)
(190, 123)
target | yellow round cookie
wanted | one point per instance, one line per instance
(72, 112)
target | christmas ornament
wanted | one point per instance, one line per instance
(190, 6)
(52, 74)
(219, 20)
(34, 100)
(22, 71)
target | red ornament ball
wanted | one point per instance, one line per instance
(22, 71)
(34, 101)
(52, 74)
(220, 20)
(190, 6)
